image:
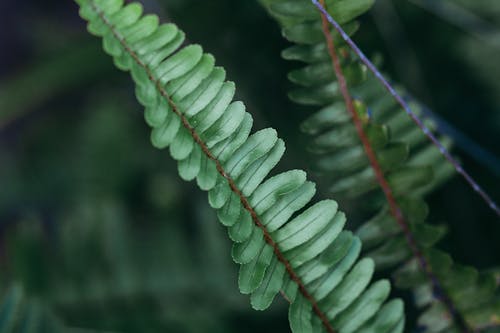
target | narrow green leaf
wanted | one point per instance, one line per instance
(183, 86)
(179, 64)
(306, 53)
(182, 144)
(253, 176)
(355, 185)
(154, 58)
(343, 162)
(205, 118)
(329, 115)
(300, 9)
(304, 33)
(141, 77)
(319, 95)
(290, 290)
(124, 61)
(317, 52)
(97, 27)
(242, 229)
(391, 253)
(245, 252)
(316, 245)
(300, 314)
(347, 10)
(406, 179)
(264, 295)
(387, 318)
(378, 135)
(225, 125)
(126, 16)
(435, 318)
(207, 177)
(219, 194)
(190, 167)
(252, 274)
(377, 229)
(148, 95)
(286, 205)
(306, 225)
(161, 37)
(349, 289)
(87, 12)
(409, 275)
(225, 148)
(323, 286)
(162, 136)
(230, 212)
(316, 74)
(400, 326)
(333, 139)
(111, 45)
(158, 113)
(332, 255)
(255, 147)
(142, 29)
(204, 93)
(109, 6)
(392, 156)
(268, 193)
(363, 308)
(428, 235)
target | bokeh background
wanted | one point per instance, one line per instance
(95, 224)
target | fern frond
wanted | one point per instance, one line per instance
(342, 163)
(189, 106)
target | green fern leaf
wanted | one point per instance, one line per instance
(341, 161)
(190, 110)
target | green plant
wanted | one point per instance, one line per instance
(188, 104)
(442, 289)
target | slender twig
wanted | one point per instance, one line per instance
(393, 205)
(408, 110)
(232, 184)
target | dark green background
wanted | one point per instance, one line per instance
(96, 222)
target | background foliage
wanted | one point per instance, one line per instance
(95, 222)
